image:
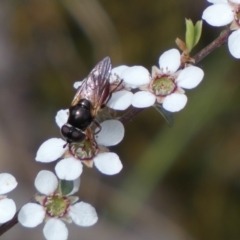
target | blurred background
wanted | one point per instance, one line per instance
(178, 183)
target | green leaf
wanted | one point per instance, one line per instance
(190, 32)
(166, 114)
(197, 32)
(65, 187)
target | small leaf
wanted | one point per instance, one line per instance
(166, 114)
(181, 44)
(65, 187)
(197, 32)
(190, 32)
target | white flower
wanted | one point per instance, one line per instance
(224, 12)
(165, 85)
(92, 151)
(54, 208)
(7, 206)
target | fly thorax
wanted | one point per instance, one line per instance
(80, 115)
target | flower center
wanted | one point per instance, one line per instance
(56, 205)
(163, 86)
(85, 150)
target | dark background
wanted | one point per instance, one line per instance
(177, 183)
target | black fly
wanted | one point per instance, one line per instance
(89, 99)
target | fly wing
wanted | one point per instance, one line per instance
(95, 87)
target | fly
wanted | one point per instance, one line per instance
(91, 96)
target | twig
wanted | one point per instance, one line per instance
(212, 46)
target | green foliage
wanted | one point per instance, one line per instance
(193, 33)
(166, 115)
(65, 187)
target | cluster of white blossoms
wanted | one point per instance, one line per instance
(54, 208)
(92, 151)
(224, 12)
(165, 85)
(128, 86)
(87, 144)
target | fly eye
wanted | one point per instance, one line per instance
(72, 134)
(77, 135)
(65, 131)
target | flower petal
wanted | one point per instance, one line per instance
(136, 75)
(61, 117)
(111, 134)
(116, 73)
(170, 61)
(31, 215)
(143, 99)
(7, 183)
(51, 150)
(55, 229)
(46, 182)
(69, 169)
(108, 163)
(120, 100)
(83, 214)
(77, 84)
(218, 15)
(234, 43)
(218, 1)
(130, 86)
(175, 102)
(7, 210)
(190, 77)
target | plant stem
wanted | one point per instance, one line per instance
(130, 114)
(212, 46)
